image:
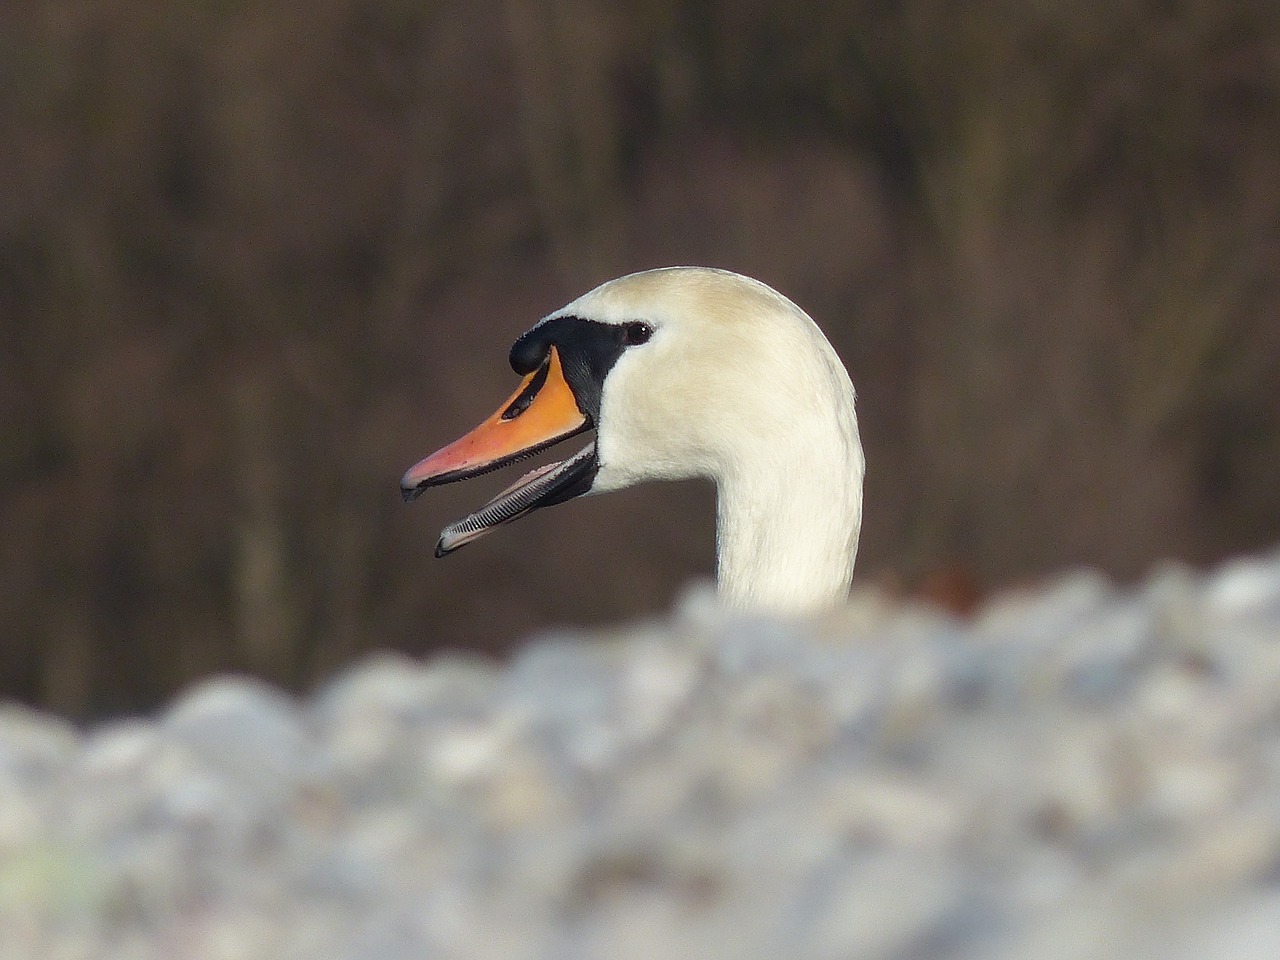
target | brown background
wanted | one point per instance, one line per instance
(258, 257)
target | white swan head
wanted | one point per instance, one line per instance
(685, 372)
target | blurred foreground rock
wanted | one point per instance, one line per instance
(1079, 772)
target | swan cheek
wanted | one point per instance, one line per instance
(637, 448)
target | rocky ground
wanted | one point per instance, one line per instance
(1078, 772)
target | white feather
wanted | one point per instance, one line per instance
(737, 384)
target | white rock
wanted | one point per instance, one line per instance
(1079, 774)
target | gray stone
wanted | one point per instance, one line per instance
(1080, 773)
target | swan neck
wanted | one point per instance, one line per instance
(786, 544)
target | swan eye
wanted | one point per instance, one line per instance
(636, 333)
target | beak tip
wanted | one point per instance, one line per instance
(410, 490)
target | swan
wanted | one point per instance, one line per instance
(685, 372)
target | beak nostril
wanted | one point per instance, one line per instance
(521, 403)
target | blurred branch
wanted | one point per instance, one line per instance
(267, 604)
(570, 128)
(1190, 321)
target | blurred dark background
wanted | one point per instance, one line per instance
(258, 256)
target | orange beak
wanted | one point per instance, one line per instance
(541, 412)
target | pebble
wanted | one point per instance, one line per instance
(1079, 772)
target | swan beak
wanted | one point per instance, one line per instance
(541, 412)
